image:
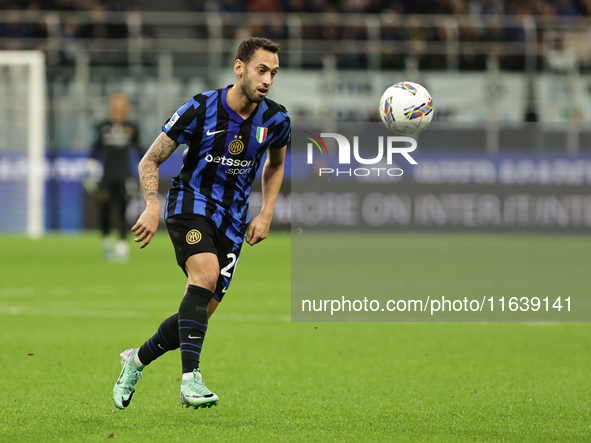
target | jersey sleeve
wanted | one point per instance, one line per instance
(284, 138)
(181, 125)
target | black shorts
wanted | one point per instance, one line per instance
(193, 234)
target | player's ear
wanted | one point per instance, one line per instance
(239, 67)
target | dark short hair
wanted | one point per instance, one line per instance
(248, 47)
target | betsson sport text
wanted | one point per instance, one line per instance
(442, 304)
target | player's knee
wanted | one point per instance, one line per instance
(210, 279)
(205, 278)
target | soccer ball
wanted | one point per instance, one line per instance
(406, 108)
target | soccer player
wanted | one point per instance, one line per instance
(226, 131)
(116, 138)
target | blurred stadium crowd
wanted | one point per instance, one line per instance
(482, 28)
(13, 27)
(558, 8)
(67, 5)
(567, 8)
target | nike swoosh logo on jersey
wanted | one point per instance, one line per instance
(212, 133)
(190, 336)
(160, 346)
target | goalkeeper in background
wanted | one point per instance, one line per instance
(109, 172)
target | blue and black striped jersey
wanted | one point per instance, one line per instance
(223, 154)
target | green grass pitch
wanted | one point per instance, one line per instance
(65, 316)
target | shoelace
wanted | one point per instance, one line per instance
(198, 386)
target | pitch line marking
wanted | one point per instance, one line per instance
(89, 313)
(31, 291)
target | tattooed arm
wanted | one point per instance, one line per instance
(146, 226)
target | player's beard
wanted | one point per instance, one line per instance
(249, 90)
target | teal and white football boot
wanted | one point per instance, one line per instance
(195, 394)
(130, 374)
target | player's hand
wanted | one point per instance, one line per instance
(258, 229)
(146, 225)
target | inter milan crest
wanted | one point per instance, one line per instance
(235, 147)
(193, 236)
(261, 134)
